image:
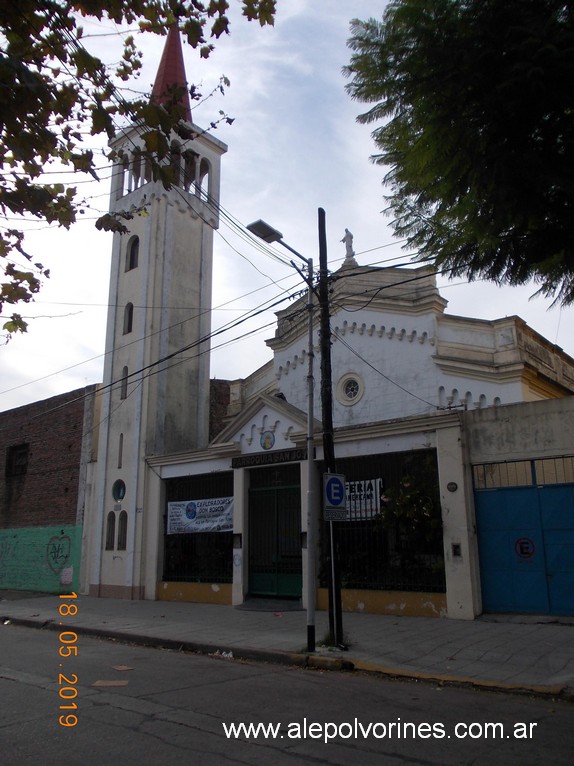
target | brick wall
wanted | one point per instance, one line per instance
(218, 405)
(44, 492)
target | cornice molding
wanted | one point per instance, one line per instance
(476, 370)
(228, 450)
(431, 421)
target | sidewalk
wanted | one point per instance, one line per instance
(514, 653)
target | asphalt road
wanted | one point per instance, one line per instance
(173, 708)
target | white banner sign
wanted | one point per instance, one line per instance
(363, 499)
(214, 514)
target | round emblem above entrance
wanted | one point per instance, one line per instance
(267, 440)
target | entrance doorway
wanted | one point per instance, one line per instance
(275, 532)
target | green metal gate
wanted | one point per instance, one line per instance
(275, 538)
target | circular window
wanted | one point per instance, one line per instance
(350, 389)
(119, 490)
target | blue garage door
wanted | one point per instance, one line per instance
(526, 536)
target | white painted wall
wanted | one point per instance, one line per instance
(395, 357)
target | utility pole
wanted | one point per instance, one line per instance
(335, 610)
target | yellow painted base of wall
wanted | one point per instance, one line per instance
(400, 603)
(197, 592)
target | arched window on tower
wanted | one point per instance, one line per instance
(110, 531)
(203, 180)
(189, 165)
(122, 531)
(128, 318)
(124, 384)
(137, 169)
(126, 176)
(148, 168)
(132, 253)
(175, 159)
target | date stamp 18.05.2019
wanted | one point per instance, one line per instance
(68, 648)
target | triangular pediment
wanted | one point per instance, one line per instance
(269, 423)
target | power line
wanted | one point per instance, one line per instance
(229, 221)
(228, 326)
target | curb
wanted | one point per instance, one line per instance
(301, 660)
(538, 690)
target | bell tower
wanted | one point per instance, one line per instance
(155, 397)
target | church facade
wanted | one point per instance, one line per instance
(176, 514)
(405, 376)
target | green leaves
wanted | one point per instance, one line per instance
(412, 508)
(53, 91)
(18, 285)
(156, 143)
(264, 10)
(86, 64)
(473, 116)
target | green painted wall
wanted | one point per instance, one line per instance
(45, 559)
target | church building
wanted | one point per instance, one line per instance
(210, 491)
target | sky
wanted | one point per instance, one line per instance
(294, 146)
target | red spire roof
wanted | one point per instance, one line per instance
(171, 72)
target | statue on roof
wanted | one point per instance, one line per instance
(349, 252)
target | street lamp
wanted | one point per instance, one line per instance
(268, 234)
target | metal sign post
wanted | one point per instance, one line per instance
(334, 509)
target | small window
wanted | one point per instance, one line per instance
(110, 531)
(17, 460)
(350, 389)
(124, 384)
(120, 450)
(122, 531)
(132, 253)
(128, 318)
(555, 470)
(119, 490)
(503, 475)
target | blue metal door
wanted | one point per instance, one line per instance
(557, 515)
(511, 551)
(526, 549)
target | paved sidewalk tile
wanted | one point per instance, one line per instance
(534, 651)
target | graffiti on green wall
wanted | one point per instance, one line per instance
(45, 559)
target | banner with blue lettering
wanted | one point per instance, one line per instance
(213, 514)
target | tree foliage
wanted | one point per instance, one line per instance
(474, 107)
(413, 509)
(54, 93)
